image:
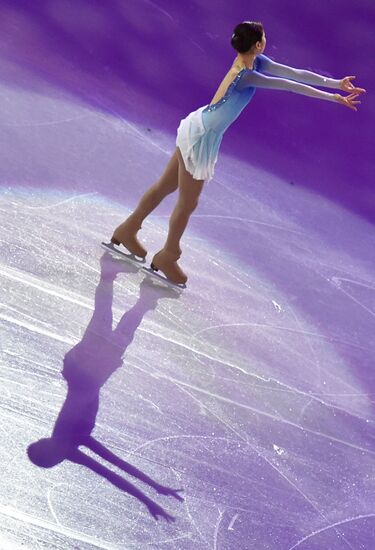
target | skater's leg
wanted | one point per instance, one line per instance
(189, 192)
(166, 184)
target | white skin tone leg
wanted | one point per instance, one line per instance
(125, 233)
(166, 184)
(174, 177)
(189, 190)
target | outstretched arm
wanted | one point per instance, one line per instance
(267, 65)
(254, 79)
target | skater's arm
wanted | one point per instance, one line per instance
(267, 65)
(254, 79)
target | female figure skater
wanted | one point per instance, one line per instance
(199, 136)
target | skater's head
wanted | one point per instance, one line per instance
(46, 453)
(249, 37)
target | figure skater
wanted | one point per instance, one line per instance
(200, 133)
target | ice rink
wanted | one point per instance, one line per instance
(238, 413)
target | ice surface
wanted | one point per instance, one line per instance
(252, 391)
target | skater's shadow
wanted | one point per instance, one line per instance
(87, 367)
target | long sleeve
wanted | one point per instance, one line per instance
(254, 79)
(266, 65)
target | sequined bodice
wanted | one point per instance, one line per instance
(228, 93)
(218, 116)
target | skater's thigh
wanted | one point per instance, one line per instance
(189, 188)
(169, 178)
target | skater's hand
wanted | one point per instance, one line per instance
(156, 511)
(347, 85)
(170, 492)
(348, 100)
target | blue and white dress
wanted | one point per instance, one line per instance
(199, 134)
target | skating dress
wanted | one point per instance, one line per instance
(199, 134)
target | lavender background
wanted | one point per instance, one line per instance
(154, 62)
(253, 390)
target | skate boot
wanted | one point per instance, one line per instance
(125, 234)
(167, 263)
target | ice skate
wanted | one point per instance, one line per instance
(126, 234)
(166, 262)
(123, 254)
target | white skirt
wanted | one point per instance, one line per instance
(199, 147)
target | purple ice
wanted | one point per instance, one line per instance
(252, 391)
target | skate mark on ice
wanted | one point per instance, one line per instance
(47, 288)
(65, 296)
(161, 10)
(68, 254)
(24, 315)
(233, 272)
(55, 204)
(285, 329)
(153, 405)
(38, 330)
(232, 522)
(336, 282)
(217, 527)
(145, 138)
(249, 221)
(7, 392)
(194, 524)
(50, 505)
(309, 345)
(277, 306)
(197, 45)
(48, 123)
(304, 495)
(272, 417)
(285, 389)
(28, 519)
(207, 408)
(332, 525)
(168, 438)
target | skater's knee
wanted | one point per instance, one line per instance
(187, 205)
(193, 204)
(167, 186)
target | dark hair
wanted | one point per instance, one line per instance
(246, 35)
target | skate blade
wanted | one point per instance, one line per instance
(164, 280)
(112, 249)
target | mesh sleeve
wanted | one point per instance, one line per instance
(254, 79)
(266, 65)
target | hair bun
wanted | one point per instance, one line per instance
(245, 35)
(235, 41)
